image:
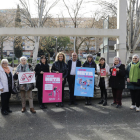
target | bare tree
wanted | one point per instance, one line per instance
(43, 9)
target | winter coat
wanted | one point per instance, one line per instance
(4, 80)
(40, 67)
(63, 70)
(131, 86)
(78, 64)
(93, 65)
(106, 79)
(118, 81)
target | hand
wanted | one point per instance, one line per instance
(57, 72)
(17, 73)
(95, 71)
(34, 71)
(41, 72)
(117, 69)
(1, 90)
(63, 79)
(81, 66)
(99, 73)
(106, 73)
(128, 80)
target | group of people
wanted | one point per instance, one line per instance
(117, 82)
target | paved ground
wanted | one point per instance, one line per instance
(72, 123)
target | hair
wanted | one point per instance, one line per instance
(57, 56)
(23, 57)
(4, 60)
(101, 58)
(90, 55)
(74, 53)
(136, 55)
(43, 56)
(117, 58)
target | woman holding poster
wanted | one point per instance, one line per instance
(103, 79)
(89, 63)
(40, 69)
(25, 88)
(117, 81)
(60, 66)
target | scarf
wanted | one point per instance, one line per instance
(134, 73)
(6, 69)
(118, 65)
(102, 67)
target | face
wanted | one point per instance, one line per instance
(4, 64)
(89, 59)
(116, 61)
(60, 57)
(102, 62)
(23, 61)
(74, 56)
(135, 59)
(43, 60)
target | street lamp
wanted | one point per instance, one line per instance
(56, 47)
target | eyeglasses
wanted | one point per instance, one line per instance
(135, 58)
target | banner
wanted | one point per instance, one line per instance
(26, 77)
(52, 87)
(84, 82)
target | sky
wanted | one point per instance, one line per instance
(87, 9)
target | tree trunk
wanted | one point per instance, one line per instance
(1, 50)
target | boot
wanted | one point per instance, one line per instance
(105, 103)
(23, 110)
(32, 110)
(86, 103)
(89, 102)
(101, 102)
(57, 105)
(61, 104)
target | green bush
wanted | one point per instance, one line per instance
(30, 60)
(9, 59)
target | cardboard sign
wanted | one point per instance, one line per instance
(52, 87)
(84, 82)
(103, 72)
(114, 72)
(26, 77)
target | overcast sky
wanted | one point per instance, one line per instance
(87, 8)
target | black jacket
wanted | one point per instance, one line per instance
(78, 64)
(64, 69)
(118, 81)
(93, 65)
(40, 67)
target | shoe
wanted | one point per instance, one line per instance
(23, 110)
(41, 106)
(137, 109)
(101, 102)
(104, 103)
(61, 104)
(4, 112)
(86, 103)
(118, 106)
(45, 107)
(32, 110)
(132, 107)
(89, 103)
(113, 103)
(70, 103)
(57, 105)
(9, 111)
(75, 103)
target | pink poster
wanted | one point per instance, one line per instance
(52, 87)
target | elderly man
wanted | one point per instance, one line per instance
(72, 64)
(133, 81)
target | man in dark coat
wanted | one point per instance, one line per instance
(72, 64)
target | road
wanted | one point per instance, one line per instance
(72, 123)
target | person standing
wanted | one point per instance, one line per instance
(40, 69)
(89, 63)
(117, 81)
(6, 86)
(103, 79)
(60, 66)
(72, 64)
(133, 81)
(25, 88)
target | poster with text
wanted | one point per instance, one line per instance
(52, 87)
(26, 77)
(84, 82)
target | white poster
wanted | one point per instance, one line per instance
(26, 77)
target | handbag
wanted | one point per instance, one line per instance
(15, 90)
